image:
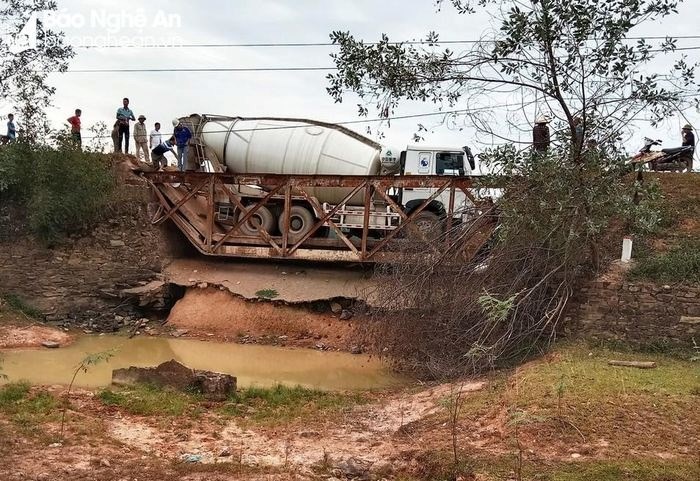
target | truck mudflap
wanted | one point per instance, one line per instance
(220, 217)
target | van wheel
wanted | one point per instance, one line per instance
(301, 221)
(262, 219)
(428, 224)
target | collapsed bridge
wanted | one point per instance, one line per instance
(275, 216)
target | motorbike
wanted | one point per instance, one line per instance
(675, 159)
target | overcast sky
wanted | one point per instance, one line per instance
(160, 96)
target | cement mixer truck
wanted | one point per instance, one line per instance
(297, 188)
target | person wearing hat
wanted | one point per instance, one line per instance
(688, 141)
(540, 135)
(141, 138)
(182, 137)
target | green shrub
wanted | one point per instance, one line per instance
(12, 393)
(282, 402)
(17, 304)
(63, 190)
(147, 400)
(680, 264)
(23, 407)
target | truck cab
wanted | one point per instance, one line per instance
(425, 160)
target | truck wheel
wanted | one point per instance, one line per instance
(262, 219)
(428, 224)
(301, 220)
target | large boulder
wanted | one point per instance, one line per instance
(214, 386)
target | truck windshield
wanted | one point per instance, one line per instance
(449, 162)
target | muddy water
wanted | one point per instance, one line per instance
(253, 365)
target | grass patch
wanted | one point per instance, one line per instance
(283, 403)
(147, 400)
(23, 407)
(17, 304)
(643, 470)
(440, 466)
(680, 264)
(586, 375)
(267, 293)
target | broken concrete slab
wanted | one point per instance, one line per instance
(300, 284)
(214, 386)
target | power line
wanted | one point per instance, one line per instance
(331, 44)
(350, 122)
(205, 69)
(256, 69)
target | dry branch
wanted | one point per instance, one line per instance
(637, 364)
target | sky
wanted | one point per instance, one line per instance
(162, 96)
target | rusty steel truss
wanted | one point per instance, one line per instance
(189, 200)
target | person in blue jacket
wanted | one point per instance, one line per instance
(182, 138)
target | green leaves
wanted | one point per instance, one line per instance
(575, 56)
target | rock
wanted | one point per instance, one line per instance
(354, 468)
(203, 285)
(192, 458)
(690, 320)
(105, 463)
(345, 315)
(356, 350)
(180, 332)
(282, 338)
(225, 453)
(170, 374)
(116, 243)
(575, 455)
(55, 445)
(213, 386)
(51, 344)
(336, 308)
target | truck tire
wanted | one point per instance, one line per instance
(428, 224)
(301, 220)
(262, 218)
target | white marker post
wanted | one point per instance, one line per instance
(626, 249)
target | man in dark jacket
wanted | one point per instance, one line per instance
(182, 137)
(158, 153)
(540, 135)
(688, 141)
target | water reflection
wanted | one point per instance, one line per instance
(253, 365)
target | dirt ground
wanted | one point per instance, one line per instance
(599, 420)
(31, 336)
(203, 312)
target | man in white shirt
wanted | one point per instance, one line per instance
(156, 136)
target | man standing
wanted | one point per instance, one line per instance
(124, 115)
(688, 141)
(540, 135)
(156, 137)
(75, 127)
(158, 153)
(11, 128)
(141, 138)
(182, 137)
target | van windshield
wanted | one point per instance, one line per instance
(449, 161)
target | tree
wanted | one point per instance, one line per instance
(562, 212)
(28, 53)
(566, 58)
